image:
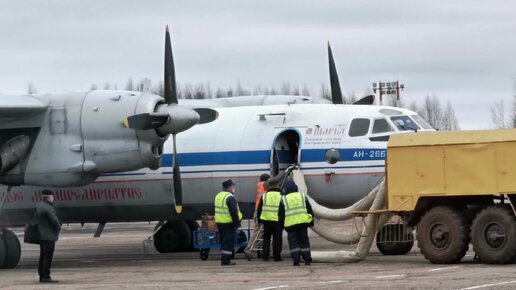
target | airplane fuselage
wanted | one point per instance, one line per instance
(341, 149)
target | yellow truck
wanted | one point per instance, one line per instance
(457, 188)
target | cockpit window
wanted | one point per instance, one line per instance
(421, 122)
(359, 127)
(380, 126)
(404, 123)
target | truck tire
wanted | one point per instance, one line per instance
(390, 241)
(12, 250)
(493, 235)
(442, 235)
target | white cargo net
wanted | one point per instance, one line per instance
(363, 237)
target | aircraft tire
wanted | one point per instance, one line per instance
(493, 235)
(174, 236)
(389, 240)
(2, 252)
(442, 235)
(12, 250)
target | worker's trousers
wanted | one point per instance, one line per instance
(274, 230)
(227, 243)
(299, 245)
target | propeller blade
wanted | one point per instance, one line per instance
(336, 93)
(367, 100)
(178, 188)
(206, 115)
(145, 121)
(170, 89)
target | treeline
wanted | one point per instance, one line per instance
(441, 117)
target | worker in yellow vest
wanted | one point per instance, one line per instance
(267, 213)
(227, 217)
(298, 216)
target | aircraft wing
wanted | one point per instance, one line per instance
(20, 107)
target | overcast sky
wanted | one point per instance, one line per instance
(460, 51)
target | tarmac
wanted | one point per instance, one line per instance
(117, 260)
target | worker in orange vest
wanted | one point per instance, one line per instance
(260, 190)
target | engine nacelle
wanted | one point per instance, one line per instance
(79, 137)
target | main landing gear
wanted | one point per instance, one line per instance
(174, 236)
(10, 249)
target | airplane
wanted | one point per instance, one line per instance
(340, 148)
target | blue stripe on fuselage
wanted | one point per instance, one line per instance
(263, 157)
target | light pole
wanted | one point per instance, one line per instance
(388, 88)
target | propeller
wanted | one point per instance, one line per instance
(171, 118)
(367, 100)
(336, 93)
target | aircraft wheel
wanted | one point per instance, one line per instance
(2, 252)
(442, 235)
(174, 236)
(493, 235)
(12, 250)
(392, 240)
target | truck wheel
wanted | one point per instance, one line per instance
(442, 235)
(493, 235)
(391, 240)
(12, 250)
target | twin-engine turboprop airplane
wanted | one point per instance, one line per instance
(340, 148)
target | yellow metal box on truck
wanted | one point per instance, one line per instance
(426, 164)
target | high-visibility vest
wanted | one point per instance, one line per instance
(295, 209)
(260, 190)
(270, 206)
(222, 215)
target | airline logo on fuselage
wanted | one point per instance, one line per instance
(325, 131)
(324, 136)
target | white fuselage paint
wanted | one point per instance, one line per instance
(238, 145)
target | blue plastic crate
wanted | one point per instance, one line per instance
(204, 239)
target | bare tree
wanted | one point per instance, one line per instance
(499, 117)
(129, 86)
(436, 116)
(305, 91)
(93, 87)
(31, 89)
(325, 92)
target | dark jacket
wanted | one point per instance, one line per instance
(48, 223)
(260, 208)
(289, 188)
(233, 211)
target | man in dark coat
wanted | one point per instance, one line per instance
(48, 227)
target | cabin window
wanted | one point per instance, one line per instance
(421, 122)
(359, 127)
(381, 126)
(404, 123)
